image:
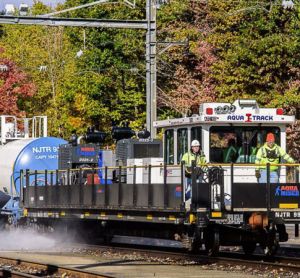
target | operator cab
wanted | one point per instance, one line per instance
(219, 127)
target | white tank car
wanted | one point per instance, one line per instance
(30, 149)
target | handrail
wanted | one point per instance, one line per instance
(169, 166)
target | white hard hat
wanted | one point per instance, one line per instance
(195, 143)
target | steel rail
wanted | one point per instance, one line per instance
(14, 274)
(259, 262)
(232, 258)
(45, 269)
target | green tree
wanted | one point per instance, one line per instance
(258, 51)
(106, 78)
(184, 71)
(46, 54)
(258, 55)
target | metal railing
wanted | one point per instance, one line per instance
(230, 189)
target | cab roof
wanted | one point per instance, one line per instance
(242, 111)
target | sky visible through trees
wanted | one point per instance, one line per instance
(17, 3)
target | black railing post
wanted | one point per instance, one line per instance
(80, 176)
(297, 230)
(69, 187)
(56, 177)
(134, 200)
(21, 186)
(46, 187)
(106, 192)
(93, 188)
(27, 177)
(27, 184)
(182, 176)
(193, 186)
(46, 177)
(51, 178)
(120, 187)
(80, 188)
(221, 180)
(150, 188)
(268, 188)
(68, 177)
(35, 188)
(165, 187)
(232, 184)
(210, 205)
(57, 197)
(231, 175)
(51, 186)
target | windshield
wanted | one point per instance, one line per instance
(238, 144)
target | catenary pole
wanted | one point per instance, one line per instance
(149, 24)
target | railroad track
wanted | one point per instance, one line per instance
(281, 263)
(179, 255)
(19, 268)
(12, 267)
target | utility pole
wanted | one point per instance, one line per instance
(151, 78)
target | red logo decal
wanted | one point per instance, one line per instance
(248, 115)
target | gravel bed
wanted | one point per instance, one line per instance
(260, 271)
(137, 257)
(29, 270)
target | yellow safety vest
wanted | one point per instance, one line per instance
(271, 155)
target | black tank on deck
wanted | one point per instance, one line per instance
(119, 133)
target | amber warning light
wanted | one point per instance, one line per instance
(209, 111)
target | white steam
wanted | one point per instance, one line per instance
(26, 240)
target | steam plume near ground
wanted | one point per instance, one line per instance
(42, 237)
(28, 239)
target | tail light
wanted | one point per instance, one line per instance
(279, 111)
(209, 111)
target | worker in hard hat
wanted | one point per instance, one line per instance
(270, 153)
(195, 154)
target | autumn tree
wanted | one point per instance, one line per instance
(184, 73)
(16, 89)
(258, 55)
(109, 87)
(232, 50)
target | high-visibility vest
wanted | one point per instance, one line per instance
(271, 155)
(188, 157)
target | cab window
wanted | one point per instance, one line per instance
(169, 146)
(196, 134)
(238, 144)
(182, 143)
